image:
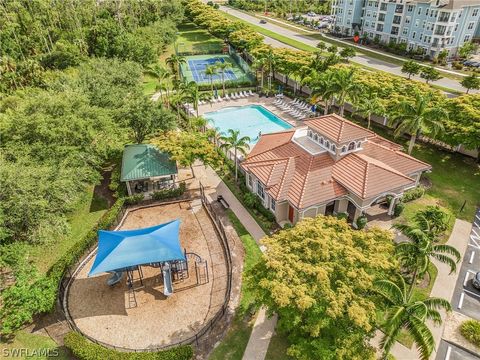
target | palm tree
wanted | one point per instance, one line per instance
(414, 118)
(346, 87)
(270, 63)
(303, 74)
(368, 105)
(237, 143)
(259, 64)
(193, 95)
(211, 71)
(415, 255)
(223, 66)
(322, 86)
(174, 61)
(410, 315)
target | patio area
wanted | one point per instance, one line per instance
(108, 315)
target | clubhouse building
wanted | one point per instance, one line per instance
(328, 165)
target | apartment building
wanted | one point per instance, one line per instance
(429, 25)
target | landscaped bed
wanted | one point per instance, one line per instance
(107, 314)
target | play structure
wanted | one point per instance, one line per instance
(127, 251)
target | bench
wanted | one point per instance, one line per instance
(222, 201)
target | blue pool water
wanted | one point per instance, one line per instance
(250, 120)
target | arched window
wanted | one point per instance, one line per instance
(344, 149)
(327, 144)
(315, 137)
(309, 133)
(321, 140)
(351, 146)
(334, 148)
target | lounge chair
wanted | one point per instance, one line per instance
(226, 97)
(242, 95)
(277, 101)
(219, 99)
(245, 93)
(251, 93)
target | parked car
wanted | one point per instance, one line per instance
(263, 21)
(476, 281)
(311, 13)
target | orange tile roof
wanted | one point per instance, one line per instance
(291, 173)
(338, 129)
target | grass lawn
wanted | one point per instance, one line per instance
(233, 345)
(192, 38)
(88, 211)
(44, 346)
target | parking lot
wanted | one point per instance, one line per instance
(466, 298)
(448, 351)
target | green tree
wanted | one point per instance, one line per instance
(347, 53)
(239, 144)
(369, 104)
(163, 77)
(186, 147)
(223, 67)
(174, 62)
(193, 95)
(411, 67)
(405, 313)
(432, 219)
(467, 49)
(471, 82)
(306, 278)
(429, 73)
(346, 88)
(416, 254)
(321, 46)
(259, 64)
(145, 117)
(211, 71)
(333, 49)
(303, 74)
(323, 89)
(417, 117)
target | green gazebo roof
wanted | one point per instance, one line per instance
(145, 161)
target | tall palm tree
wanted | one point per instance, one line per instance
(174, 61)
(417, 117)
(322, 86)
(211, 71)
(237, 143)
(270, 63)
(410, 315)
(369, 104)
(346, 88)
(415, 255)
(259, 64)
(223, 67)
(303, 74)
(193, 95)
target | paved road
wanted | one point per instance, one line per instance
(448, 351)
(360, 59)
(466, 298)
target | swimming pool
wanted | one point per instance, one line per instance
(251, 120)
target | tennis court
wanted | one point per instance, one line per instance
(195, 66)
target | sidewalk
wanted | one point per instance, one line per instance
(444, 288)
(264, 327)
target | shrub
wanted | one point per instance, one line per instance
(457, 65)
(170, 193)
(250, 200)
(413, 194)
(361, 222)
(398, 209)
(84, 349)
(470, 330)
(342, 215)
(134, 199)
(33, 294)
(388, 199)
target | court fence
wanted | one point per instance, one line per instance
(71, 273)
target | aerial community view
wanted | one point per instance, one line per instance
(240, 180)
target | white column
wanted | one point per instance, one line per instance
(129, 190)
(392, 206)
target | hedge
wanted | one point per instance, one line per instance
(27, 298)
(170, 193)
(413, 194)
(470, 330)
(83, 349)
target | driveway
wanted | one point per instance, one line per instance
(360, 59)
(466, 298)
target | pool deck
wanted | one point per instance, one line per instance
(267, 103)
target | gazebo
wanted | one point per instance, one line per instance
(126, 250)
(146, 169)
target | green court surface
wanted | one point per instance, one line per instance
(195, 65)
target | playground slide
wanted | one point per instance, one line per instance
(167, 280)
(117, 275)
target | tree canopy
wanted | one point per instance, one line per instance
(318, 276)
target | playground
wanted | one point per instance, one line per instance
(155, 304)
(195, 66)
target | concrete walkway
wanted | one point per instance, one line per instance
(444, 287)
(361, 59)
(264, 327)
